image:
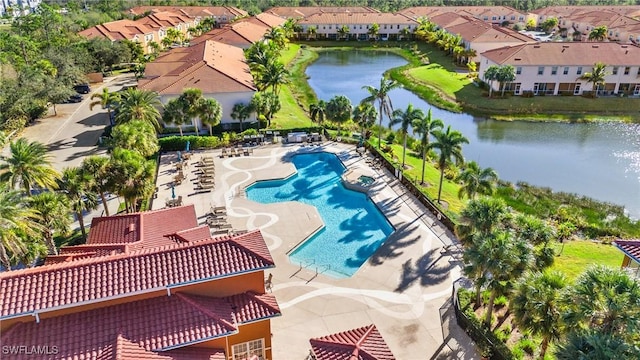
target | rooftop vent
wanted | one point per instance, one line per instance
(536, 46)
(624, 46)
(517, 59)
(594, 46)
(132, 227)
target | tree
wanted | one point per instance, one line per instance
(343, 32)
(16, 222)
(318, 111)
(175, 113)
(490, 75)
(267, 104)
(312, 31)
(591, 344)
(339, 109)
(28, 165)
(133, 176)
(138, 104)
(273, 75)
(52, 213)
(365, 115)
(506, 74)
(597, 76)
(381, 95)
(373, 31)
(482, 216)
(449, 143)
(241, 112)
(137, 136)
(549, 24)
(405, 119)
(598, 33)
(476, 180)
(190, 99)
(106, 100)
(278, 36)
(537, 306)
(210, 113)
(75, 184)
(425, 126)
(99, 167)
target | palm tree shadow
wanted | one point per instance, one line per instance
(426, 269)
(391, 248)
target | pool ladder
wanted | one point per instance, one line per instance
(320, 268)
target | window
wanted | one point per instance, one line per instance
(385, 27)
(519, 70)
(565, 71)
(615, 70)
(540, 70)
(513, 17)
(626, 70)
(493, 18)
(554, 70)
(485, 18)
(579, 72)
(639, 71)
(246, 350)
(397, 26)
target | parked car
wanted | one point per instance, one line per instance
(82, 88)
(75, 98)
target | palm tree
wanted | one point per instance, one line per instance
(449, 143)
(190, 99)
(75, 184)
(133, 175)
(278, 36)
(16, 222)
(475, 266)
(266, 104)
(592, 344)
(476, 180)
(597, 76)
(482, 216)
(405, 119)
(381, 95)
(373, 31)
(52, 213)
(175, 113)
(210, 113)
(599, 33)
(506, 74)
(365, 115)
(490, 75)
(537, 306)
(106, 100)
(139, 105)
(343, 31)
(273, 75)
(241, 112)
(311, 32)
(339, 110)
(318, 111)
(137, 136)
(99, 167)
(28, 165)
(425, 126)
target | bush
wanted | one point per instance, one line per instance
(500, 301)
(527, 345)
(527, 94)
(503, 334)
(178, 143)
(390, 138)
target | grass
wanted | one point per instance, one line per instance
(577, 255)
(437, 76)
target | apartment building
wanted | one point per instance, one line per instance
(300, 12)
(329, 25)
(222, 14)
(491, 14)
(150, 285)
(556, 68)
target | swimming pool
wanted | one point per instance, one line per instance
(354, 227)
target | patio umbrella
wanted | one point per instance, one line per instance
(188, 144)
(173, 191)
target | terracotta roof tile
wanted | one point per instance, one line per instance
(241, 34)
(629, 247)
(96, 279)
(476, 11)
(268, 20)
(304, 11)
(364, 343)
(194, 11)
(357, 18)
(162, 19)
(478, 31)
(137, 330)
(116, 30)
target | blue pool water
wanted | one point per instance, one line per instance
(354, 227)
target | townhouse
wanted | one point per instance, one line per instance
(330, 25)
(222, 14)
(556, 68)
(161, 21)
(491, 14)
(299, 12)
(361, 343)
(631, 259)
(151, 285)
(242, 33)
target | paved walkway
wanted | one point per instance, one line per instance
(404, 288)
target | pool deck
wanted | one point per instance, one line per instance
(404, 288)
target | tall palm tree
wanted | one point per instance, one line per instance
(190, 99)
(137, 136)
(99, 167)
(339, 109)
(405, 118)
(273, 75)
(278, 36)
(141, 105)
(476, 180)
(52, 213)
(599, 33)
(475, 266)
(133, 175)
(381, 95)
(106, 100)
(597, 76)
(449, 143)
(482, 216)
(365, 115)
(343, 32)
(506, 74)
(210, 113)
(537, 306)
(312, 31)
(318, 111)
(266, 104)
(373, 31)
(175, 113)
(241, 112)
(490, 75)
(16, 222)
(28, 165)
(425, 126)
(75, 184)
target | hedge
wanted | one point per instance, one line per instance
(176, 143)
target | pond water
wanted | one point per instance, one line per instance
(599, 160)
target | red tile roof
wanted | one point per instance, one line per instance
(229, 12)
(629, 247)
(164, 19)
(241, 34)
(304, 11)
(357, 18)
(364, 343)
(141, 328)
(149, 269)
(123, 348)
(116, 30)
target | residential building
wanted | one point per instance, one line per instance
(556, 68)
(631, 260)
(18, 7)
(123, 30)
(329, 25)
(362, 343)
(218, 69)
(163, 20)
(222, 14)
(491, 14)
(147, 285)
(241, 34)
(300, 12)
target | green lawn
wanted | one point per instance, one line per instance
(579, 254)
(290, 115)
(437, 76)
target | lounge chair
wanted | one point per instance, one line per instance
(221, 232)
(224, 153)
(246, 151)
(268, 283)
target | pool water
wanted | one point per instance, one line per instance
(354, 227)
(366, 180)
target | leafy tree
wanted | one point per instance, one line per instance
(591, 344)
(133, 175)
(210, 113)
(175, 113)
(343, 32)
(16, 221)
(52, 213)
(258, 56)
(506, 74)
(490, 75)
(137, 136)
(266, 104)
(318, 111)
(476, 180)
(381, 95)
(364, 115)
(75, 184)
(28, 165)
(537, 306)
(55, 92)
(537, 232)
(597, 76)
(312, 32)
(425, 126)
(138, 104)
(599, 33)
(339, 109)
(405, 118)
(241, 112)
(549, 24)
(449, 143)
(272, 75)
(373, 31)
(191, 99)
(278, 36)
(106, 100)
(99, 167)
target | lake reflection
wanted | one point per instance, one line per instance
(600, 160)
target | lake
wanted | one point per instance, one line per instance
(599, 160)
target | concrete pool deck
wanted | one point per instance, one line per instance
(404, 288)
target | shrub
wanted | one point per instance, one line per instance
(503, 334)
(500, 301)
(527, 94)
(390, 138)
(527, 345)
(177, 143)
